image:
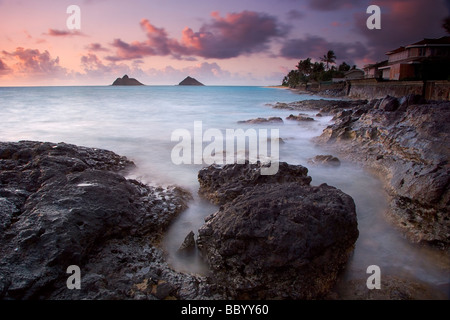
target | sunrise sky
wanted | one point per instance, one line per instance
(232, 42)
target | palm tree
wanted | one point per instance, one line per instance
(305, 66)
(328, 58)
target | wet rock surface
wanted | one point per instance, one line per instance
(188, 246)
(391, 288)
(406, 143)
(65, 205)
(221, 184)
(325, 160)
(300, 117)
(271, 120)
(274, 236)
(324, 106)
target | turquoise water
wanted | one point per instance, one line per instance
(138, 122)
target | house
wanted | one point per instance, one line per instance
(373, 70)
(407, 62)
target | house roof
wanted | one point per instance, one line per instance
(443, 41)
(396, 51)
(428, 42)
(410, 60)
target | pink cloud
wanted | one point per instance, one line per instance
(208, 73)
(4, 69)
(34, 62)
(94, 67)
(235, 34)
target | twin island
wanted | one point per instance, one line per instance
(126, 81)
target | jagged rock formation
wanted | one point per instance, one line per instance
(63, 205)
(190, 82)
(126, 81)
(406, 143)
(270, 120)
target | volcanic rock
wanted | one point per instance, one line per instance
(325, 160)
(408, 147)
(62, 205)
(262, 120)
(275, 237)
(300, 117)
(190, 82)
(188, 245)
(126, 81)
(221, 184)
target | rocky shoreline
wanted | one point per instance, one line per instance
(404, 141)
(273, 237)
(64, 205)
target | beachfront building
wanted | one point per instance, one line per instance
(374, 71)
(429, 58)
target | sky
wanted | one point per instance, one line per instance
(232, 42)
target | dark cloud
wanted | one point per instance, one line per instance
(63, 33)
(235, 34)
(295, 15)
(126, 51)
(330, 5)
(96, 47)
(315, 47)
(402, 22)
(34, 62)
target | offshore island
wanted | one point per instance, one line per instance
(188, 81)
(126, 81)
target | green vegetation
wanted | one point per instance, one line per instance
(307, 71)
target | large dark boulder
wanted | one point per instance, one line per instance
(389, 104)
(221, 184)
(61, 203)
(275, 237)
(325, 160)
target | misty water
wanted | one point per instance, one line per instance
(138, 122)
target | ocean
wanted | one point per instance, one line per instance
(138, 122)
